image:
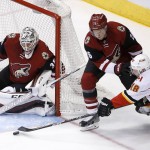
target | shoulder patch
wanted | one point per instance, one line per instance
(87, 39)
(121, 28)
(12, 35)
(45, 55)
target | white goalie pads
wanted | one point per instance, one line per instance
(38, 85)
(33, 105)
(39, 89)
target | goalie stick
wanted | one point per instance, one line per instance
(23, 98)
(64, 76)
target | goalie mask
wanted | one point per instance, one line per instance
(28, 41)
(140, 64)
(98, 26)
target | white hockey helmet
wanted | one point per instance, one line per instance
(28, 41)
(140, 64)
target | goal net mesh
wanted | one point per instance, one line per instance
(14, 17)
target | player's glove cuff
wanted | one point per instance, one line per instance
(122, 69)
(105, 107)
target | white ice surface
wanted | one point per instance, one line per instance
(123, 130)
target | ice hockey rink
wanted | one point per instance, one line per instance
(123, 130)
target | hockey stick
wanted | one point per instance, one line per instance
(64, 76)
(25, 129)
(23, 98)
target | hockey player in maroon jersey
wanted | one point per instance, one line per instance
(28, 57)
(138, 94)
(110, 46)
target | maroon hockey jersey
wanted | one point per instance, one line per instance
(23, 70)
(119, 46)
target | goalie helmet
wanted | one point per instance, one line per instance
(28, 41)
(140, 64)
(97, 21)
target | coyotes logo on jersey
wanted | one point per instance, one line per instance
(20, 70)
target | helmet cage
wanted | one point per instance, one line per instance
(28, 40)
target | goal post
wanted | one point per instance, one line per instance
(52, 20)
(57, 46)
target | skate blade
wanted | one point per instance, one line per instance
(90, 127)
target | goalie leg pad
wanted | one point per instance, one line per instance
(34, 107)
(8, 89)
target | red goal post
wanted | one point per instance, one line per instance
(57, 46)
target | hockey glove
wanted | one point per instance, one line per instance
(143, 106)
(142, 102)
(105, 107)
(122, 69)
(62, 71)
(143, 110)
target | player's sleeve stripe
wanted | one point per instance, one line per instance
(127, 97)
(107, 66)
(104, 64)
(135, 53)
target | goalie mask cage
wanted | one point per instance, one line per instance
(52, 20)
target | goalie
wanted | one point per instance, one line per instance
(29, 58)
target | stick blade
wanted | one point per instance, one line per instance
(24, 129)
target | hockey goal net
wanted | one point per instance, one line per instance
(52, 20)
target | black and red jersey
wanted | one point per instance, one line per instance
(23, 70)
(119, 46)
